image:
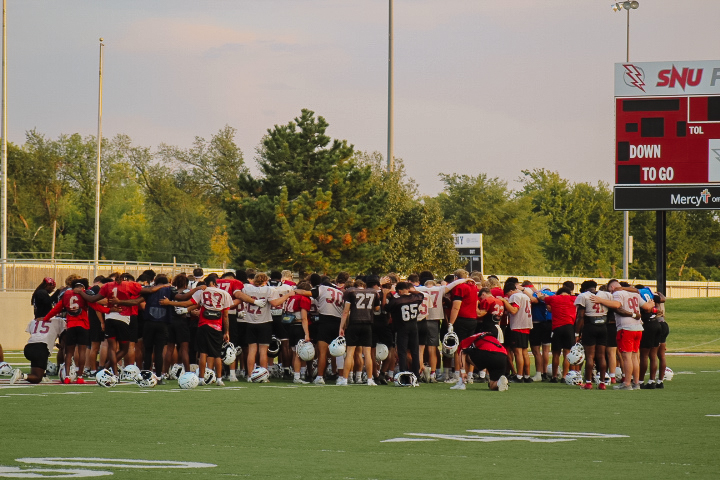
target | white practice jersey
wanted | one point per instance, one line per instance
(631, 302)
(523, 318)
(46, 332)
(281, 290)
(435, 308)
(593, 309)
(424, 308)
(329, 301)
(255, 314)
(213, 298)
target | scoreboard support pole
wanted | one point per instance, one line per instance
(661, 250)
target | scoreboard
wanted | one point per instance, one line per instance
(667, 118)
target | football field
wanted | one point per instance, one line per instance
(280, 430)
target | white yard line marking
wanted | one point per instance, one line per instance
(112, 462)
(534, 436)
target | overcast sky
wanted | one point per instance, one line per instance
(481, 86)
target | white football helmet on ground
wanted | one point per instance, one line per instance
(146, 379)
(576, 355)
(105, 378)
(260, 374)
(406, 379)
(381, 352)
(52, 369)
(227, 353)
(72, 374)
(130, 373)
(305, 350)
(209, 376)
(188, 381)
(668, 374)
(450, 344)
(176, 371)
(5, 369)
(573, 378)
(337, 347)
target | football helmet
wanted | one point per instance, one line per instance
(209, 376)
(105, 378)
(576, 355)
(5, 369)
(381, 352)
(305, 350)
(618, 373)
(227, 353)
(72, 374)
(274, 347)
(450, 344)
(406, 379)
(130, 373)
(274, 371)
(259, 374)
(194, 367)
(337, 347)
(573, 378)
(52, 368)
(188, 380)
(146, 379)
(668, 374)
(176, 371)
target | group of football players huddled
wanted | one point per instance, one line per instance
(203, 329)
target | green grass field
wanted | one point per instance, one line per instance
(285, 431)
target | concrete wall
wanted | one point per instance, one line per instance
(15, 313)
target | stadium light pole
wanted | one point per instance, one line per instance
(3, 247)
(390, 146)
(627, 6)
(97, 171)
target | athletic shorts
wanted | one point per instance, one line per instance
(117, 329)
(233, 329)
(313, 331)
(495, 362)
(259, 333)
(178, 331)
(296, 333)
(96, 333)
(541, 334)
(242, 333)
(433, 333)
(279, 328)
(328, 328)
(38, 355)
(422, 332)
(518, 339)
(382, 333)
(664, 331)
(563, 338)
(628, 341)
(133, 329)
(594, 334)
(358, 335)
(652, 331)
(77, 336)
(612, 335)
(465, 327)
(208, 341)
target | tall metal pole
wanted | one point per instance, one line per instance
(3, 246)
(97, 171)
(626, 214)
(390, 146)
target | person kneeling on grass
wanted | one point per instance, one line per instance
(486, 352)
(43, 334)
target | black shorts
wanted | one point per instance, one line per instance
(242, 333)
(280, 329)
(96, 333)
(422, 328)
(328, 328)
(541, 334)
(38, 355)
(664, 331)
(517, 339)
(259, 333)
(433, 333)
(117, 329)
(358, 335)
(563, 338)
(495, 362)
(133, 328)
(594, 334)
(296, 333)
(651, 335)
(382, 333)
(465, 327)
(178, 331)
(612, 334)
(233, 329)
(208, 341)
(77, 336)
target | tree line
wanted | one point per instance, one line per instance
(319, 204)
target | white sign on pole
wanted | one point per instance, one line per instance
(467, 240)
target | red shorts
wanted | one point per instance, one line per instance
(628, 341)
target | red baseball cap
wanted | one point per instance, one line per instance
(49, 281)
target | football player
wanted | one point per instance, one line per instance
(463, 318)
(520, 324)
(404, 307)
(591, 326)
(358, 315)
(279, 328)
(43, 334)
(41, 301)
(486, 352)
(562, 307)
(659, 300)
(541, 333)
(230, 284)
(299, 329)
